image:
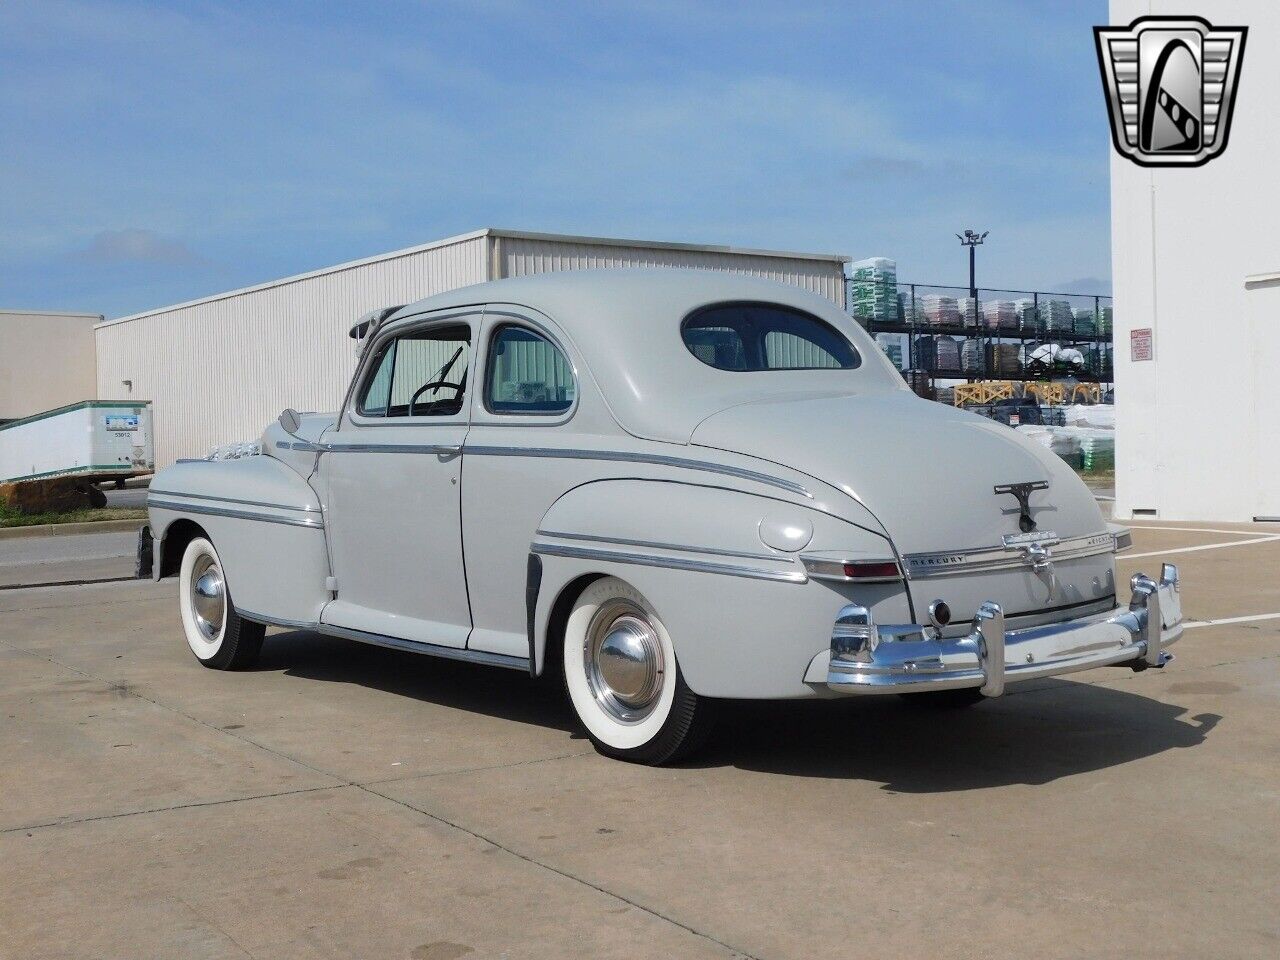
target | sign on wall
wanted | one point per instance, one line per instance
(1140, 344)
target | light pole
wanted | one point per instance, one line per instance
(971, 240)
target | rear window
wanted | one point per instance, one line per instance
(750, 337)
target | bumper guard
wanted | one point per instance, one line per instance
(868, 658)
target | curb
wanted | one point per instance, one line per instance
(70, 529)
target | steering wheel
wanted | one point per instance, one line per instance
(433, 385)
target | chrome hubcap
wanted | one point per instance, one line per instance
(208, 597)
(624, 661)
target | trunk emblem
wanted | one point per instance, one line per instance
(1022, 491)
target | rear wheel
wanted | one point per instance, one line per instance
(219, 637)
(623, 680)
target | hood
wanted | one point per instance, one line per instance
(926, 471)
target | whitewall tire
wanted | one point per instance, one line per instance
(623, 680)
(218, 636)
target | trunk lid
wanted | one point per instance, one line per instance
(928, 473)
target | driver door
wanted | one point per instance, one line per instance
(392, 471)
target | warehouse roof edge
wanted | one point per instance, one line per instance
(494, 232)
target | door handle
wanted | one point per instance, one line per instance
(449, 449)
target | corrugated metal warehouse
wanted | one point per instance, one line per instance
(220, 368)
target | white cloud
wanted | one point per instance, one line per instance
(137, 246)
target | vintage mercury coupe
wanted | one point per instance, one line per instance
(671, 487)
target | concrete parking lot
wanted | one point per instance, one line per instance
(349, 801)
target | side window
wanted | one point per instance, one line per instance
(420, 374)
(527, 374)
(752, 337)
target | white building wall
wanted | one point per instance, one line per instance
(217, 370)
(46, 361)
(1196, 425)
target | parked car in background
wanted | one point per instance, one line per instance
(669, 487)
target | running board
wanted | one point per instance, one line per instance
(397, 643)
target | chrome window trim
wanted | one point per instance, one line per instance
(624, 456)
(945, 563)
(315, 524)
(657, 545)
(672, 563)
(248, 503)
(504, 318)
(472, 316)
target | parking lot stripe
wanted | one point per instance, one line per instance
(1207, 546)
(1192, 624)
(1243, 533)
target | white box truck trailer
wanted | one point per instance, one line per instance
(94, 440)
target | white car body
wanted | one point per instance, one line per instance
(754, 512)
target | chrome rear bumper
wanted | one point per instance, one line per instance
(869, 658)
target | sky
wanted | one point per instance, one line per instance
(154, 153)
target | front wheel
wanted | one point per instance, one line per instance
(623, 680)
(220, 638)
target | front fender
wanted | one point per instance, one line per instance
(265, 522)
(744, 616)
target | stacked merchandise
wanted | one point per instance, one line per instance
(1099, 416)
(909, 308)
(1000, 315)
(875, 290)
(1085, 322)
(1104, 322)
(1053, 416)
(947, 395)
(896, 347)
(947, 354)
(968, 308)
(919, 382)
(971, 356)
(1005, 359)
(926, 353)
(1028, 318)
(1097, 449)
(1060, 441)
(940, 311)
(1055, 315)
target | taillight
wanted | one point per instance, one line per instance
(868, 570)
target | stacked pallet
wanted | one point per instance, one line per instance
(1056, 316)
(971, 356)
(968, 307)
(1104, 321)
(1000, 315)
(1006, 359)
(1028, 317)
(1086, 322)
(940, 311)
(919, 382)
(875, 290)
(909, 308)
(947, 353)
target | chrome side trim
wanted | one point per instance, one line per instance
(430, 649)
(247, 503)
(657, 545)
(625, 456)
(277, 621)
(304, 446)
(945, 563)
(395, 643)
(316, 524)
(672, 563)
(444, 449)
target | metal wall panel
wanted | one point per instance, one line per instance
(218, 371)
(521, 256)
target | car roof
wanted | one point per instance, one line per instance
(625, 324)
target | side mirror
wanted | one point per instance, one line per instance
(290, 421)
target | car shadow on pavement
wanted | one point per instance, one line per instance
(1055, 729)
(1044, 731)
(507, 694)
